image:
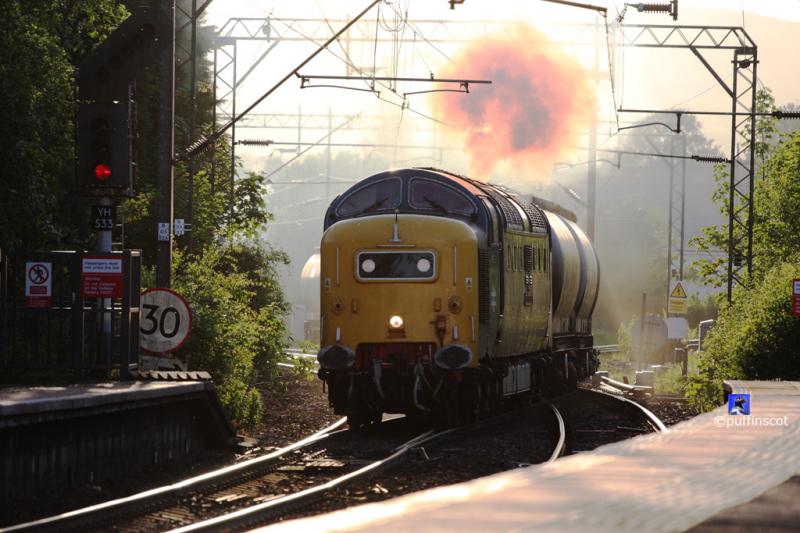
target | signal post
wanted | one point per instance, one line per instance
(106, 128)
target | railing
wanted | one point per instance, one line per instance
(67, 334)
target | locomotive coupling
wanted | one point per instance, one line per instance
(453, 356)
(336, 357)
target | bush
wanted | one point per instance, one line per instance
(755, 338)
(232, 338)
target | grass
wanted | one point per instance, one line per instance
(668, 378)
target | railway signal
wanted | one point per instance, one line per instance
(104, 149)
(105, 152)
(104, 75)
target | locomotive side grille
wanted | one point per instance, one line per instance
(528, 298)
(483, 286)
(535, 215)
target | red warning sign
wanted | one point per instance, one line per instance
(101, 277)
(38, 284)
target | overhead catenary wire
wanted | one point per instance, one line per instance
(348, 61)
(203, 144)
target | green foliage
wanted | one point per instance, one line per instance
(40, 43)
(230, 282)
(755, 338)
(307, 346)
(713, 272)
(624, 342)
(776, 233)
(232, 338)
(700, 309)
(305, 368)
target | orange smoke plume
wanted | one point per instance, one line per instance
(538, 99)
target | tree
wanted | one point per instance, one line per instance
(714, 271)
(229, 279)
(756, 336)
(40, 44)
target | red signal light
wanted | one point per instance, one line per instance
(102, 172)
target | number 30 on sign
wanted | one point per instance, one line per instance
(165, 321)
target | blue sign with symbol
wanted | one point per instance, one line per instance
(739, 404)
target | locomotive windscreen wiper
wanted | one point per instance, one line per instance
(376, 204)
(436, 204)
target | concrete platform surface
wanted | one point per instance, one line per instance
(16, 401)
(661, 482)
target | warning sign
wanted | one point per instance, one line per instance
(678, 301)
(101, 277)
(677, 291)
(38, 284)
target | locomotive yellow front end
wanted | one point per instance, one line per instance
(399, 311)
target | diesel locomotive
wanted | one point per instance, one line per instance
(446, 297)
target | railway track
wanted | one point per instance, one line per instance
(255, 491)
(309, 476)
(100, 515)
(530, 435)
(594, 418)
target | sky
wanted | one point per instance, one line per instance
(440, 129)
(643, 78)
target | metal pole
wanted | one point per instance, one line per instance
(214, 126)
(683, 206)
(233, 132)
(669, 210)
(299, 127)
(641, 327)
(328, 159)
(591, 194)
(732, 181)
(192, 120)
(166, 148)
(104, 239)
(752, 165)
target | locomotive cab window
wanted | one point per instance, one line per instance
(428, 195)
(377, 196)
(396, 266)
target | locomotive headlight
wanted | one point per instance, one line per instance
(396, 322)
(423, 265)
(368, 266)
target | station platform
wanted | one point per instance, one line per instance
(57, 437)
(712, 473)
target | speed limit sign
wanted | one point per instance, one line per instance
(164, 322)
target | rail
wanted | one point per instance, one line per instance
(651, 418)
(254, 515)
(96, 513)
(561, 444)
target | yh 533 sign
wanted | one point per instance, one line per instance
(165, 321)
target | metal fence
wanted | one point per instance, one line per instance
(69, 335)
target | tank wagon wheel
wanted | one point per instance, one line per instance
(572, 379)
